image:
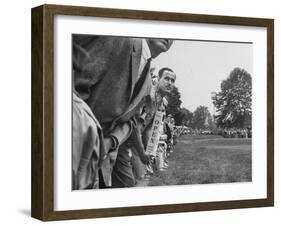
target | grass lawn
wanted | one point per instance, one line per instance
(207, 159)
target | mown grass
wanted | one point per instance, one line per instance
(205, 160)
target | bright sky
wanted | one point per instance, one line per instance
(201, 66)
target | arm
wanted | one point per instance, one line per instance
(114, 139)
(121, 132)
(117, 136)
(136, 138)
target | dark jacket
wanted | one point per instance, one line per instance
(105, 71)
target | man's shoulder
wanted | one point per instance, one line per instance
(98, 44)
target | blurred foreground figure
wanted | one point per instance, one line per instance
(87, 146)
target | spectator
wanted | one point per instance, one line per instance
(111, 76)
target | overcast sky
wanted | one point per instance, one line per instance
(201, 66)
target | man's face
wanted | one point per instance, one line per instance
(167, 81)
(158, 46)
(154, 80)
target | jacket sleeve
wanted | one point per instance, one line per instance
(128, 130)
(122, 132)
(86, 146)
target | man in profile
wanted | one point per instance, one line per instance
(111, 76)
(127, 173)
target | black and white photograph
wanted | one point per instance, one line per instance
(152, 112)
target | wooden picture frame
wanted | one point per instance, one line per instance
(42, 203)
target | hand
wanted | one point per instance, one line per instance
(111, 154)
(107, 144)
(146, 158)
(112, 157)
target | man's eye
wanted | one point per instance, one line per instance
(173, 80)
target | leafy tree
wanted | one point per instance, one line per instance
(174, 102)
(201, 118)
(183, 117)
(234, 102)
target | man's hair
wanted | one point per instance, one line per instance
(161, 71)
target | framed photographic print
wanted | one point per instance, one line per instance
(141, 112)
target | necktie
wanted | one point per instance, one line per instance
(142, 78)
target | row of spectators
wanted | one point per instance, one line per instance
(227, 132)
(165, 146)
(236, 133)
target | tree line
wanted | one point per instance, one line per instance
(233, 105)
